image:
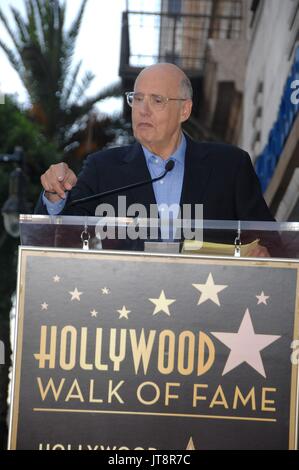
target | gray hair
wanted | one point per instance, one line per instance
(186, 88)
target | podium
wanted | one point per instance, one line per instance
(118, 348)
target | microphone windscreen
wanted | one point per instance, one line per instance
(170, 165)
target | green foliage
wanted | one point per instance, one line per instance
(42, 55)
(16, 129)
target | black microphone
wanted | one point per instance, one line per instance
(168, 167)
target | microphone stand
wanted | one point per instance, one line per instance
(169, 167)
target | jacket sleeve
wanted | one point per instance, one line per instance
(249, 202)
(40, 208)
(251, 206)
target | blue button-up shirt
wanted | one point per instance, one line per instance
(168, 190)
(53, 208)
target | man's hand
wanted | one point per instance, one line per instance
(56, 180)
(259, 251)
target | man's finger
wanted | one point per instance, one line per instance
(60, 171)
(58, 189)
(70, 180)
(55, 187)
(44, 183)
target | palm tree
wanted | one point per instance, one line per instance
(42, 56)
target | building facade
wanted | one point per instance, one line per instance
(200, 37)
(242, 57)
(271, 121)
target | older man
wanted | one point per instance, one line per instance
(219, 176)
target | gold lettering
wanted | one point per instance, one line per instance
(142, 349)
(117, 359)
(83, 351)
(91, 394)
(266, 402)
(202, 366)
(113, 391)
(186, 336)
(50, 385)
(72, 333)
(58, 447)
(75, 392)
(216, 402)
(98, 350)
(43, 356)
(163, 354)
(197, 397)
(167, 390)
(244, 400)
(156, 389)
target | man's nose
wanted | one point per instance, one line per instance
(145, 106)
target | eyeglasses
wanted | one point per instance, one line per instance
(157, 101)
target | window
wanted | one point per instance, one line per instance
(174, 6)
(256, 9)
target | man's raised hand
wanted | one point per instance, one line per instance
(56, 180)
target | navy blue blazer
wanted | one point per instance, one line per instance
(219, 176)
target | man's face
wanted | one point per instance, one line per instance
(155, 128)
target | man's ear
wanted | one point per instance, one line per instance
(186, 110)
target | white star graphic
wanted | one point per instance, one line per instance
(162, 304)
(245, 346)
(94, 313)
(209, 291)
(44, 306)
(56, 278)
(105, 291)
(75, 294)
(262, 298)
(123, 313)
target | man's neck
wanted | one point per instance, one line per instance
(165, 152)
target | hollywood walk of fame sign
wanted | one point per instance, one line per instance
(130, 351)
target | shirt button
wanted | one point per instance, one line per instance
(161, 182)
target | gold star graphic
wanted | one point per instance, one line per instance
(123, 313)
(75, 294)
(209, 291)
(105, 291)
(44, 306)
(56, 278)
(162, 304)
(190, 445)
(94, 313)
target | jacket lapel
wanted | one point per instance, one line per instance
(197, 173)
(135, 170)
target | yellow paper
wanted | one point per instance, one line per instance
(216, 249)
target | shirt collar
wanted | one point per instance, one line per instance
(178, 155)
